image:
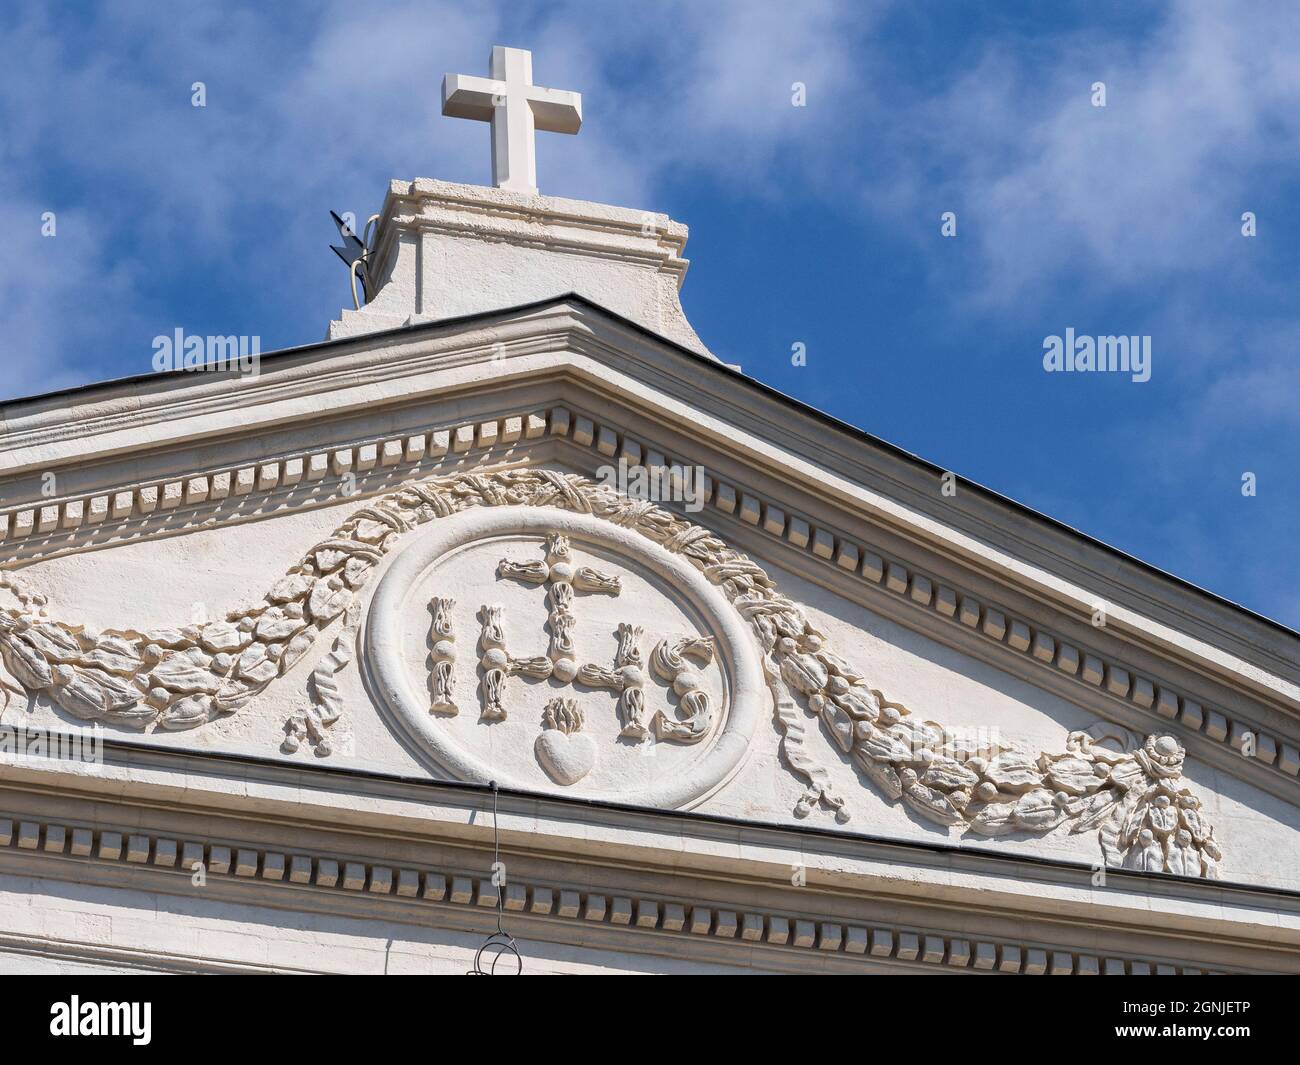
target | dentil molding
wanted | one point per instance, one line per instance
(657, 924)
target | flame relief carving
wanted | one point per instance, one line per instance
(561, 749)
(1135, 798)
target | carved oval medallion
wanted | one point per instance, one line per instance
(549, 650)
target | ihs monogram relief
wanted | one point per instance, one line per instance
(565, 755)
(563, 580)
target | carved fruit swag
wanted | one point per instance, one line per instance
(1135, 796)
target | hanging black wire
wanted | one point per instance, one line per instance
(499, 944)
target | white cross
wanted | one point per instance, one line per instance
(516, 108)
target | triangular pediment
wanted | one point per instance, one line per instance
(797, 627)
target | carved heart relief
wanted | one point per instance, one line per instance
(567, 758)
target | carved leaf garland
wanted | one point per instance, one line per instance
(1136, 797)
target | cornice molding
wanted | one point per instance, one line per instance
(140, 416)
(970, 894)
(661, 924)
(569, 226)
(27, 531)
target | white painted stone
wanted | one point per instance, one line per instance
(262, 567)
(508, 248)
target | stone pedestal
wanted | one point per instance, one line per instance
(443, 250)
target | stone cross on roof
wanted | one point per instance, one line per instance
(516, 108)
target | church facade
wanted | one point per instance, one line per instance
(509, 610)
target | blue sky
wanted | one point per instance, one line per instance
(818, 225)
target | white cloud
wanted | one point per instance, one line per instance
(1147, 188)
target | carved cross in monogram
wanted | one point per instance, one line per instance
(563, 580)
(627, 676)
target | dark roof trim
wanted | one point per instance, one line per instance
(322, 772)
(328, 775)
(714, 366)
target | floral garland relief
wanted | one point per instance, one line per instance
(1133, 794)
